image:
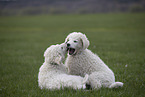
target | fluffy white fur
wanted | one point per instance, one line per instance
(53, 74)
(81, 61)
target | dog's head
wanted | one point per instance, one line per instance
(76, 42)
(55, 53)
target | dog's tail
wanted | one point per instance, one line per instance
(116, 85)
(85, 80)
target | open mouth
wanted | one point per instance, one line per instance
(71, 51)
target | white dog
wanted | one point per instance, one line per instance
(81, 61)
(53, 74)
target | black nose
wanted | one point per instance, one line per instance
(68, 45)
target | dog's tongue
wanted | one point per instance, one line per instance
(71, 51)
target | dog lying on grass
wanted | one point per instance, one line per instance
(53, 74)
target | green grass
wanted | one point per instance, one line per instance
(119, 39)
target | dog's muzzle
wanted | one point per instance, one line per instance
(70, 50)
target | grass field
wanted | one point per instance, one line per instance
(119, 39)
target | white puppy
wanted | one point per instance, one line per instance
(53, 74)
(81, 61)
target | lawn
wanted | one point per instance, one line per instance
(119, 39)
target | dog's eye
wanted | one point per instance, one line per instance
(75, 41)
(61, 47)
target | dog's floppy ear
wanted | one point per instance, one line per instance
(58, 59)
(85, 42)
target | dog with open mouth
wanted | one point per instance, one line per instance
(71, 46)
(81, 61)
(75, 45)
